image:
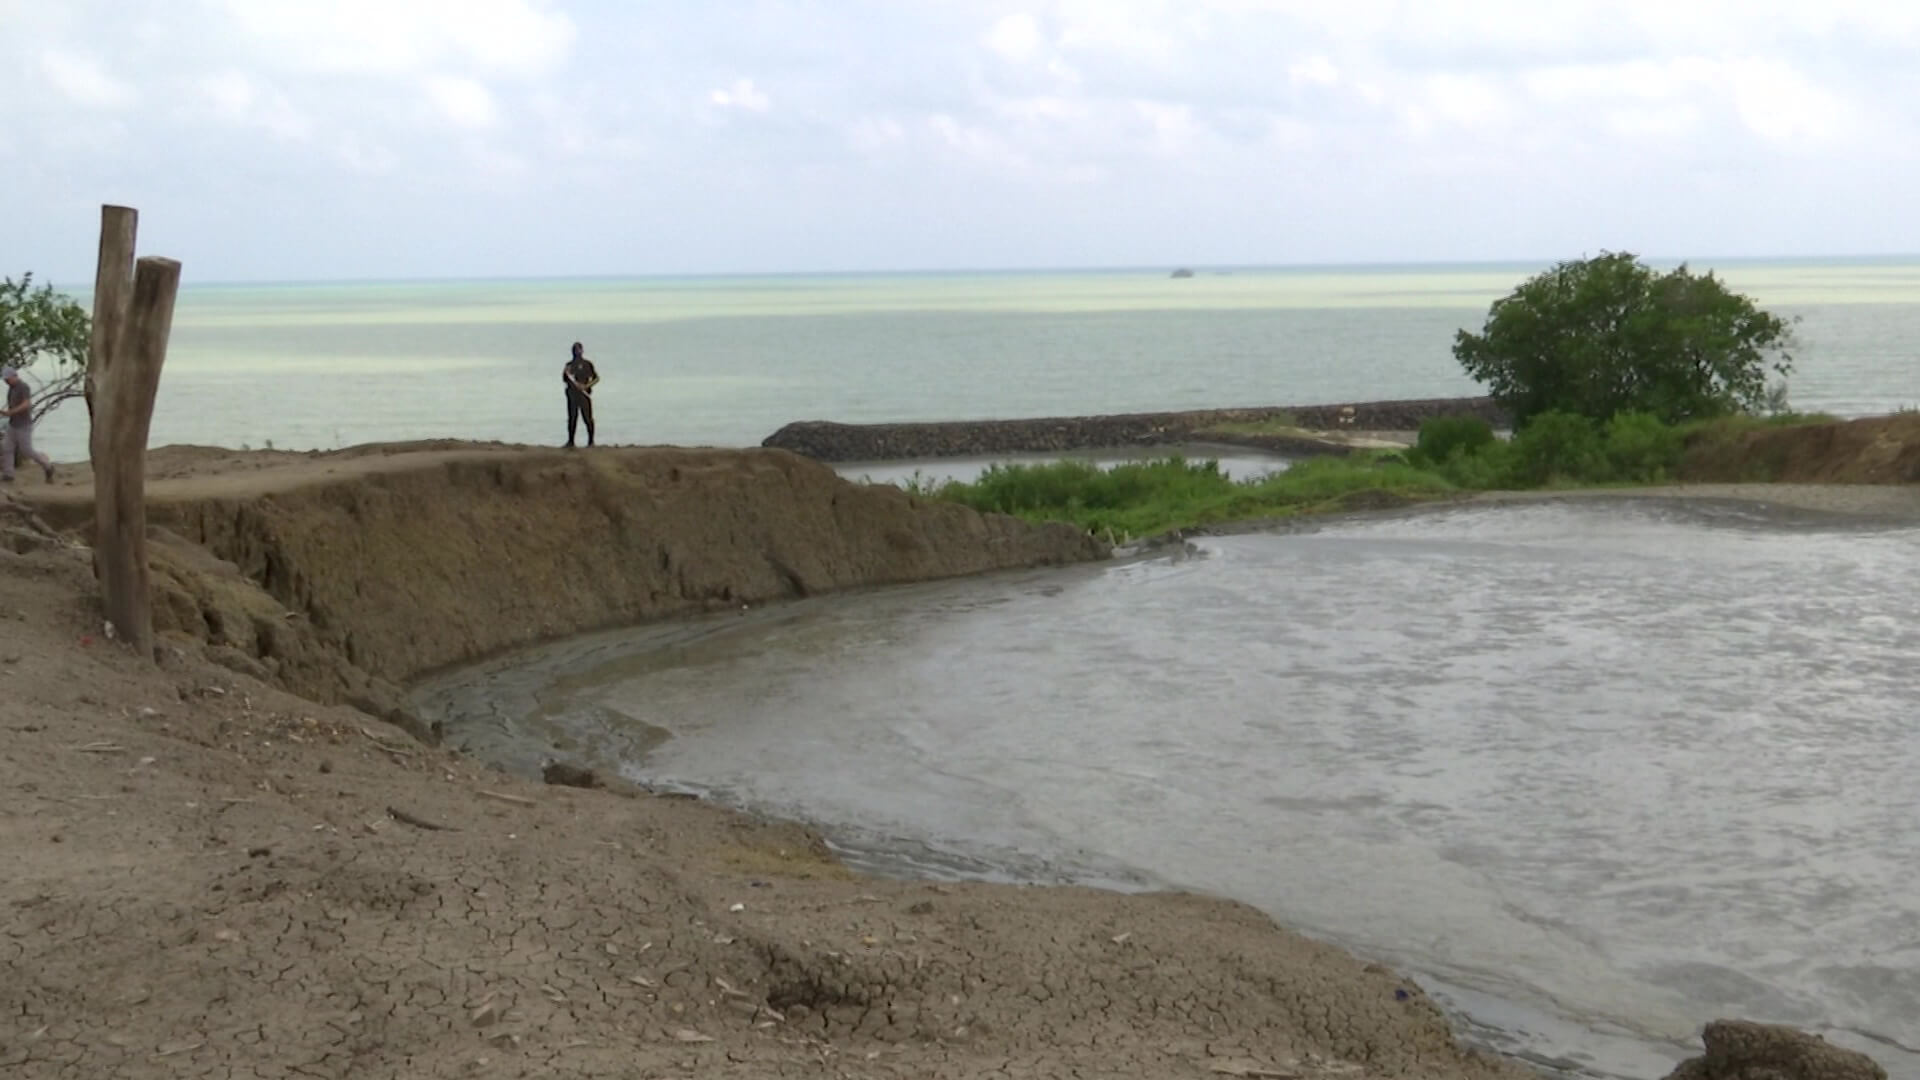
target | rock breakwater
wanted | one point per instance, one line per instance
(828, 441)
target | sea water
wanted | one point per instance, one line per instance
(725, 361)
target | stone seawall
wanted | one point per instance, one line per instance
(828, 441)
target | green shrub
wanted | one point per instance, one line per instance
(1558, 448)
(1444, 436)
(1642, 449)
(1492, 467)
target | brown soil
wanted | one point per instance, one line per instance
(1876, 450)
(210, 876)
(343, 575)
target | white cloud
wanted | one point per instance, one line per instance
(83, 80)
(741, 95)
(237, 98)
(1313, 71)
(1015, 37)
(496, 37)
(1056, 130)
(463, 102)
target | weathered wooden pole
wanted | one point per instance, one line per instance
(119, 438)
(112, 280)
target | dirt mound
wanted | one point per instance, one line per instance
(343, 575)
(1876, 450)
(1740, 1050)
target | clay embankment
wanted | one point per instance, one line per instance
(341, 576)
(1871, 450)
(828, 441)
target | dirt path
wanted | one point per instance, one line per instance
(179, 473)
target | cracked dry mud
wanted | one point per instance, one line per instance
(204, 880)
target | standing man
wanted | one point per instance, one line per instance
(580, 379)
(16, 438)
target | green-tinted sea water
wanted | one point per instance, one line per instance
(726, 360)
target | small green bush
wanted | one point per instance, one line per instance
(1445, 436)
(1559, 448)
(1492, 467)
(1641, 449)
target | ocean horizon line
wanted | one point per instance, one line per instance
(1523, 266)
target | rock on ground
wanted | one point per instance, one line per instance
(1742, 1050)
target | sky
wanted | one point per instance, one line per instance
(278, 140)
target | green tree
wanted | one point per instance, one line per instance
(1608, 335)
(40, 324)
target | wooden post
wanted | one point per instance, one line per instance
(112, 281)
(120, 451)
(112, 278)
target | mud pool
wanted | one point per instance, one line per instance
(1597, 772)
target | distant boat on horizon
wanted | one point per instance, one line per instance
(1183, 272)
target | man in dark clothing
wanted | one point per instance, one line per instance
(16, 426)
(580, 379)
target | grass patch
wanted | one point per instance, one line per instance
(1147, 498)
(1554, 451)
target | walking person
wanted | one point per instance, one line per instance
(16, 437)
(580, 378)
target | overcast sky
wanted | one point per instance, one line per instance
(320, 139)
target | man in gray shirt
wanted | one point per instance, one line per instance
(16, 438)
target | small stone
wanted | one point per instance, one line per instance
(565, 775)
(485, 1015)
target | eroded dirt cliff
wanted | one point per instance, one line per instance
(343, 575)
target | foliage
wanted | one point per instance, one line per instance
(1641, 449)
(40, 324)
(1606, 335)
(1145, 498)
(1445, 436)
(1559, 448)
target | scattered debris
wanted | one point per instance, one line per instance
(405, 818)
(501, 796)
(1251, 1069)
(396, 751)
(688, 1035)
